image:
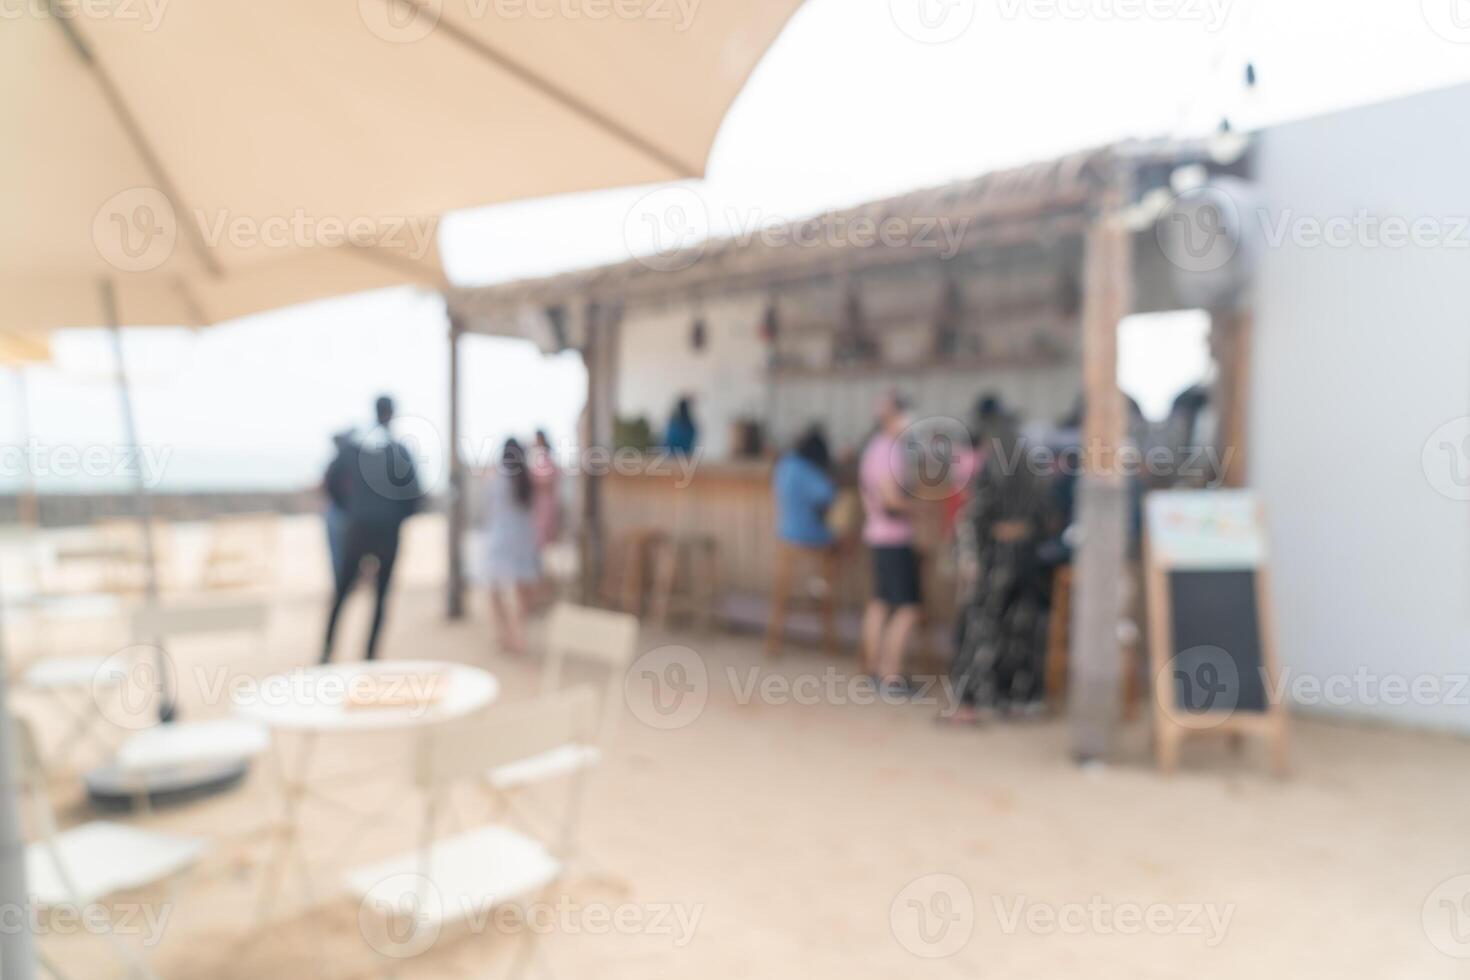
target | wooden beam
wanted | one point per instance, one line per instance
(1230, 342)
(777, 269)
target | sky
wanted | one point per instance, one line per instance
(856, 99)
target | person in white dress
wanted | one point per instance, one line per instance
(512, 557)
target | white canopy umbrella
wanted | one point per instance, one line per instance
(188, 162)
(186, 155)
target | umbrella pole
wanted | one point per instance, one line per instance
(18, 951)
(456, 483)
(166, 706)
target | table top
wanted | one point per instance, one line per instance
(367, 695)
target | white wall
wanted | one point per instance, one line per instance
(845, 404)
(656, 364)
(1360, 354)
(729, 379)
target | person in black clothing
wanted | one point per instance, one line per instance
(1001, 624)
(382, 492)
(336, 484)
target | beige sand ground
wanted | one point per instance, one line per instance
(794, 830)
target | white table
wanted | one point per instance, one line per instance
(346, 698)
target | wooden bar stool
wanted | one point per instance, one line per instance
(625, 578)
(1059, 638)
(697, 556)
(791, 558)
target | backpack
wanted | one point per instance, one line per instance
(383, 487)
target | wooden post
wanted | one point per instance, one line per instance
(591, 529)
(167, 704)
(456, 489)
(1230, 342)
(1095, 691)
(599, 354)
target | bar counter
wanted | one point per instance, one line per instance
(732, 502)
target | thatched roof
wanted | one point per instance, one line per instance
(1048, 199)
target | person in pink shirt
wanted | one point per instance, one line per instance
(888, 531)
(545, 507)
(545, 492)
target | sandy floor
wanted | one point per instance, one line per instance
(771, 836)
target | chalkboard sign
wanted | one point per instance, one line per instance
(1216, 611)
(1210, 640)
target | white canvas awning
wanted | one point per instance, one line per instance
(214, 160)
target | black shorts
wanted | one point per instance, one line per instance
(896, 575)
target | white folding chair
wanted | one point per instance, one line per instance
(242, 551)
(447, 879)
(76, 687)
(42, 614)
(84, 865)
(118, 544)
(609, 639)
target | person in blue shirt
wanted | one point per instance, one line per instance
(804, 490)
(680, 435)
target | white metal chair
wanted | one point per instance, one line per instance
(243, 551)
(83, 865)
(608, 638)
(602, 636)
(76, 687)
(445, 880)
(114, 546)
(48, 618)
